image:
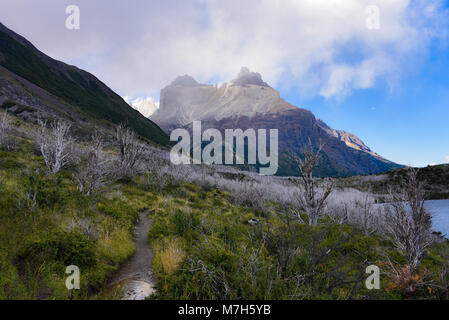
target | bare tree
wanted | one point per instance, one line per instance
(313, 196)
(4, 126)
(55, 144)
(92, 172)
(131, 151)
(6, 143)
(368, 215)
(251, 196)
(408, 223)
(340, 213)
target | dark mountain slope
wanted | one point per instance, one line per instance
(77, 87)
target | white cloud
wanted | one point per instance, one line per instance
(145, 106)
(446, 159)
(320, 47)
(343, 78)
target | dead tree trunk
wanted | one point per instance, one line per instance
(313, 197)
(408, 223)
(55, 144)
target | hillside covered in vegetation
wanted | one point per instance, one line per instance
(435, 180)
(216, 234)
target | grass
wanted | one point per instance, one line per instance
(225, 258)
(204, 248)
(46, 225)
(169, 255)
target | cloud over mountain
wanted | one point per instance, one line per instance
(320, 47)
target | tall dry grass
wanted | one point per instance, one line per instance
(170, 255)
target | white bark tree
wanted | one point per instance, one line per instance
(92, 172)
(55, 144)
(313, 196)
(408, 223)
(368, 215)
(131, 151)
(5, 128)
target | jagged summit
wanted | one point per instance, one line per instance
(185, 81)
(247, 102)
(247, 77)
(348, 138)
(186, 100)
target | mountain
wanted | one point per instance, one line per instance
(249, 102)
(349, 139)
(145, 106)
(37, 84)
(186, 100)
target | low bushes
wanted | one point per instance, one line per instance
(208, 251)
(46, 225)
(10, 284)
(61, 247)
(42, 190)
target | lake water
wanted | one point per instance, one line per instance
(439, 209)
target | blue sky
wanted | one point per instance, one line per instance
(408, 123)
(387, 84)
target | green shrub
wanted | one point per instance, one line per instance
(44, 191)
(120, 210)
(185, 221)
(10, 284)
(61, 247)
(156, 181)
(8, 161)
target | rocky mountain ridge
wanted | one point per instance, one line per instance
(249, 102)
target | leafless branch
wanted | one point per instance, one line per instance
(312, 197)
(409, 225)
(91, 174)
(55, 144)
(131, 151)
